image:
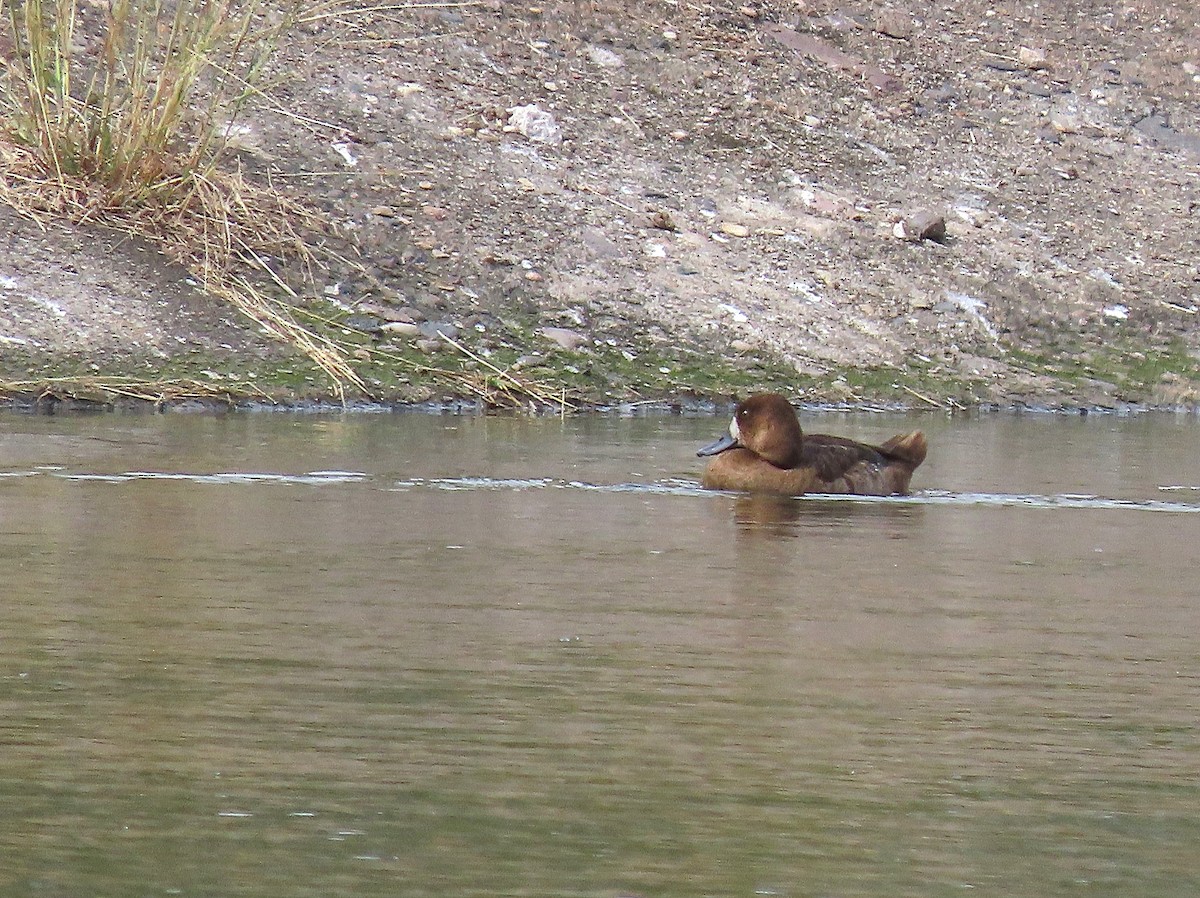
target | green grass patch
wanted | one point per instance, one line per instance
(1135, 370)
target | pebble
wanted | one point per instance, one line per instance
(1065, 117)
(1033, 58)
(368, 324)
(895, 23)
(535, 123)
(401, 329)
(920, 226)
(432, 329)
(604, 58)
(663, 221)
(564, 337)
(734, 230)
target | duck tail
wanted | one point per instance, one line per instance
(908, 447)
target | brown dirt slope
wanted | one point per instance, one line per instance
(744, 181)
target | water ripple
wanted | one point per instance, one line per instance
(665, 487)
(313, 477)
(1068, 500)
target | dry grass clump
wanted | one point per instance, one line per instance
(115, 108)
(115, 389)
(118, 112)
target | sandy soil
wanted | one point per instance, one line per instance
(744, 180)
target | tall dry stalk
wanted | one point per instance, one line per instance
(115, 110)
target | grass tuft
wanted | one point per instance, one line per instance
(119, 113)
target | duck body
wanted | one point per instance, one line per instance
(765, 451)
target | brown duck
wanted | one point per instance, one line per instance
(765, 451)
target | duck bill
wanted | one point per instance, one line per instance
(725, 442)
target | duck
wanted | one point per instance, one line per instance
(765, 451)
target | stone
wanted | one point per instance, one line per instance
(1065, 117)
(433, 329)
(663, 221)
(922, 225)
(604, 57)
(734, 230)
(368, 324)
(1033, 58)
(564, 337)
(535, 123)
(405, 329)
(892, 22)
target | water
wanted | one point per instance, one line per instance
(408, 655)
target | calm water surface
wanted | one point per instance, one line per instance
(411, 655)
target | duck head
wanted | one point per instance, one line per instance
(765, 424)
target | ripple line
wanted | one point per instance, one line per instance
(314, 477)
(665, 487)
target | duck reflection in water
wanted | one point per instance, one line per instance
(768, 514)
(765, 451)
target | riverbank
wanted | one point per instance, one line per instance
(589, 204)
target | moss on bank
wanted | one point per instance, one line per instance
(510, 365)
(502, 372)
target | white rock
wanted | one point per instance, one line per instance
(734, 312)
(973, 307)
(343, 149)
(535, 123)
(604, 58)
